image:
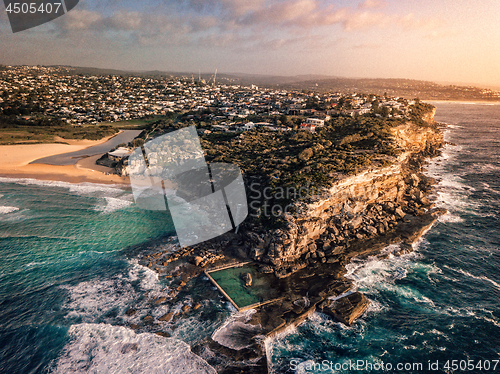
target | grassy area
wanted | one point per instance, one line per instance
(30, 134)
(133, 124)
(16, 131)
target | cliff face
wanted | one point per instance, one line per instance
(354, 208)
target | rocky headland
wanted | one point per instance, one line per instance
(358, 215)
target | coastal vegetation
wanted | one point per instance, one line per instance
(299, 158)
(48, 131)
(290, 160)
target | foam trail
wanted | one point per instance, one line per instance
(102, 348)
(235, 333)
(78, 188)
(481, 277)
(8, 209)
(92, 299)
(113, 204)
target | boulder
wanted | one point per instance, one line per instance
(399, 212)
(266, 269)
(197, 260)
(371, 230)
(161, 300)
(247, 279)
(356, 222)
(389, 207)
(414, 180)
(129, 347)
(166, 317)
(425, 201)
(196, 306)
(348, 308)
(256, 252)
(164, 334)
(334, 230)
(381, 228)
(337, 250)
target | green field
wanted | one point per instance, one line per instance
(18, 134)
(132, 124)
(35, 134)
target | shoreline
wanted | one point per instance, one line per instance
(68, 175)
(15, 162)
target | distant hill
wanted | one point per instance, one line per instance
(408, 88)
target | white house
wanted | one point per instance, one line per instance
(248, 126)
(315, 121)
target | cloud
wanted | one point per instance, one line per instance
(371, 4)
(312, 14)
(81, 19)
(226, 23)
(126, 20)
(283, 12)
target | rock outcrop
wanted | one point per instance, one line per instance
(355, 208)
(348, 308)
(247, 279)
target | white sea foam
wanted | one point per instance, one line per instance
(487, 168)
(480, 277)
(373, 276)
(77, 188)
(235, 333)
(448, 217)
(149, 277)
(92, 299)
(113, 204)
(373, 270)
(493, 321)
(102, 348)
(8, 209)
(192, 329)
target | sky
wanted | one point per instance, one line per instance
(446, 41)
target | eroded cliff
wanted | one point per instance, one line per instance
(355, 208)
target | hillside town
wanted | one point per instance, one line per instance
(29, 93)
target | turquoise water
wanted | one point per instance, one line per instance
(65, 279)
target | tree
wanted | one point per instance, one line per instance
(306, 154)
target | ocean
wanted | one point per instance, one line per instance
(67, 277)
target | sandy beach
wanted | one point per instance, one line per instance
(15, 163)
